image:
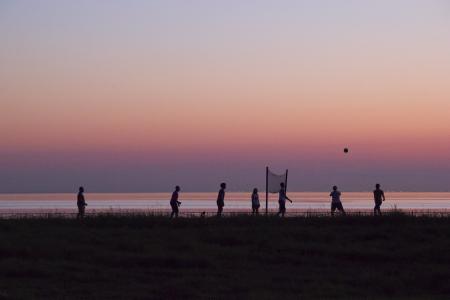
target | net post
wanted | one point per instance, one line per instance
(267, 190)
(285, 181)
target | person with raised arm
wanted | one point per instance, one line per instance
(336, 201)
(282, 200)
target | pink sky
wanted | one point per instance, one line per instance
(205, 90)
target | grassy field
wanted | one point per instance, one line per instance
(135, 257)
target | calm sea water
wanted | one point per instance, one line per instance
(207, 201)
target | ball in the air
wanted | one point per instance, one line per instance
(345, 150)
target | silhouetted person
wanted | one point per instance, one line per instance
(336, 201)
(221, 199)
(282, 200)
(378, 197)
(174, 203)
(255, 201)
(81, 202)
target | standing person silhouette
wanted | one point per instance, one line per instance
(282, 200)
(255, 201)
(378, 197)
(336, 201)
(174, 203)
(81, 202)
(221, 199)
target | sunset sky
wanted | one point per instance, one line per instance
(134, 96)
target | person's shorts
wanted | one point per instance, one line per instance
(336, 205)
(378, 204)
(282, 205)
(174, 207)
(220, 204)
(255, 206)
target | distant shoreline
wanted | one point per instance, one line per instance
(212, 213)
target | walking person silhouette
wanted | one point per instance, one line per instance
(174, 203)
(221, 199)
(378, 197)
(282, 200)
(81, 203)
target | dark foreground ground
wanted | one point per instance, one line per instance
(135, 257)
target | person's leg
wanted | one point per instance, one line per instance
(282, 209)
(173, 211)
(378, 206)
(341, 209)
(333, 209)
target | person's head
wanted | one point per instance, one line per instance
(334, 188)
(177, 188)
(223, 185)
(255, 191)
(81, 189)
(282, 184)
(377, 186)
